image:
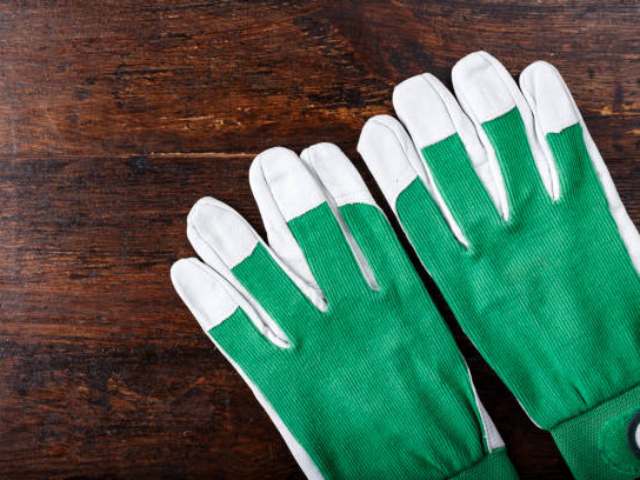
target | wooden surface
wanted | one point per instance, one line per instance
(116, 116)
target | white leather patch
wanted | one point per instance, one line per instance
(385, 147)
(292, 186)
(422, 111)
(223, 229)
(337, 174)
(548, 98)
(480, 89)
(202, 290)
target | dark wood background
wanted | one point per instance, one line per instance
(116, 116)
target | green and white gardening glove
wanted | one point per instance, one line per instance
(511, 209)
(333, 330)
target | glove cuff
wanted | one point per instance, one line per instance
(495, 466)
(603, 443)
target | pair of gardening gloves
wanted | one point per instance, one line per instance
(510, 208)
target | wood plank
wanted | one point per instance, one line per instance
(116, 116)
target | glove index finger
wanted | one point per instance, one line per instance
(218, 308)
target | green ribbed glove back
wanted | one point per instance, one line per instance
(370, 384)
(550, 295)
(363, 386)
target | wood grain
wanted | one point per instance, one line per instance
(116, 116)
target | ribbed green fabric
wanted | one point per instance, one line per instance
(495, 466)
(594, 443)
(549, 297)
(373, 388)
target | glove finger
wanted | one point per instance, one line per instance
(390, 155)
(279, 236)
(222, 311)
(368, 232)
(554, 112)
(504, 124)
(295, 207)
(451, 152)
(431, 114)
(226, 242)
(204, 292)
(558, 120)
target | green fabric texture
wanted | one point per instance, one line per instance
(374, 387)
(600, 434)
(495, 466)
(550, 296)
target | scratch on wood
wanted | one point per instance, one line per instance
(201, 155)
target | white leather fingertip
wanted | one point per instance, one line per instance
(432, 114)
(203, 291)
(548, 98)
(294, 190)
(336, 174)
(422, 111)
(214, 227)
(387, 149)
(480, 87)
